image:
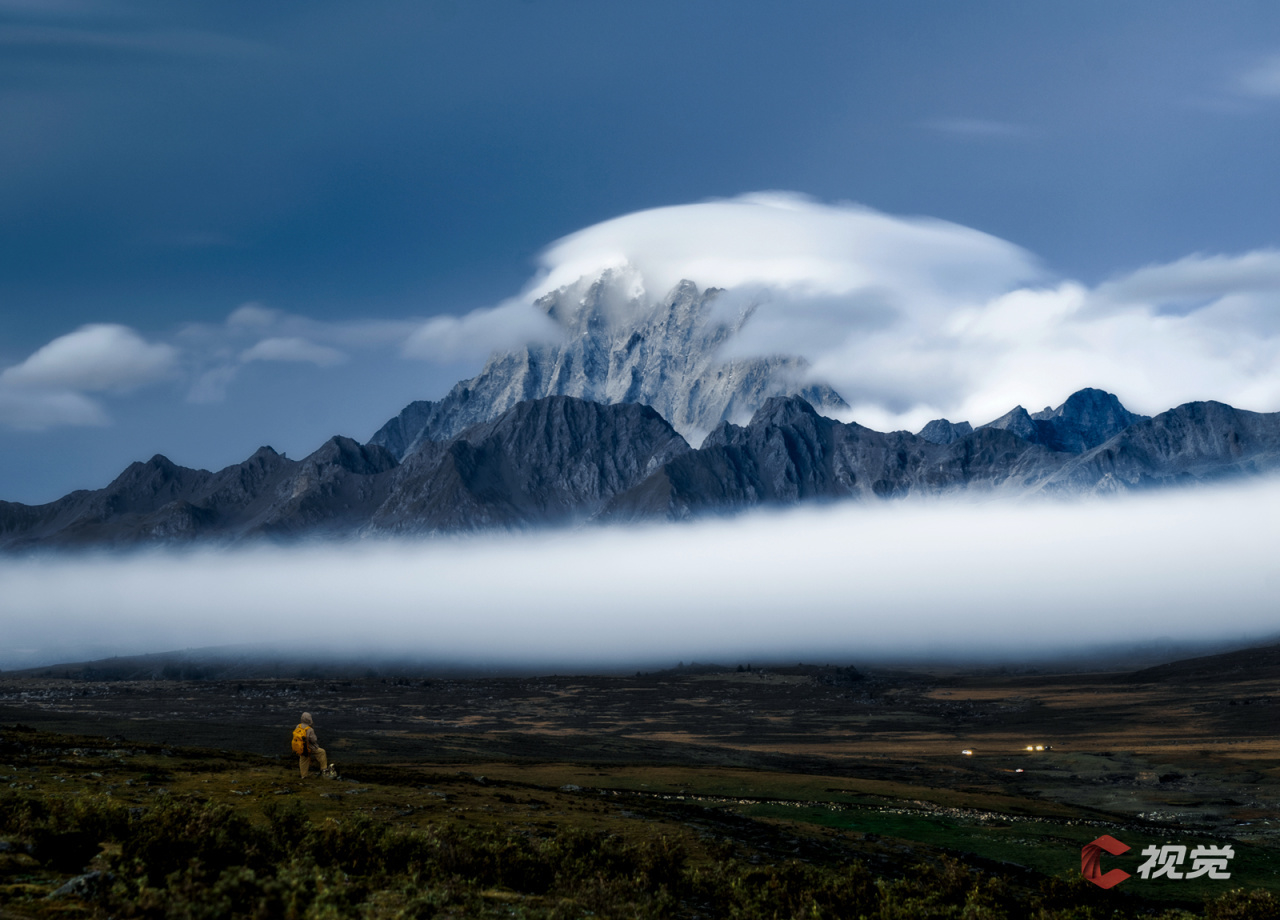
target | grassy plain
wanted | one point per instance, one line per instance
(804, 769)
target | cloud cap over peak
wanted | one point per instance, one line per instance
(786, 240)
(912, 319)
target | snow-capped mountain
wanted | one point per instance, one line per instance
(620, 348)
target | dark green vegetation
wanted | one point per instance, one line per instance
(699, 792)
(300, 850)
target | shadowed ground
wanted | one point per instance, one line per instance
(804, 762)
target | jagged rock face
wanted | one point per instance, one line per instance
(618, 350)
(543, 461)
(788, 453)
(1195, 442)
(944, 431)
(334, 490)
(560, 459)
(147, 498)
(1088, 418)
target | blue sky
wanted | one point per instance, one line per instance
(350, 171)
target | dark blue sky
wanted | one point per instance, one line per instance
(162, 164)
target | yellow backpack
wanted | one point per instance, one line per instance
(300, 738)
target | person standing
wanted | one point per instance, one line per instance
(308, 749)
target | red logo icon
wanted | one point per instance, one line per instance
(1091, 861)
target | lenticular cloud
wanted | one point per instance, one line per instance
(912, 319)
(784, 241)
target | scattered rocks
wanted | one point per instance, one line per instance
(84, 886)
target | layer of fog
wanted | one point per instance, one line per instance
(934, 579)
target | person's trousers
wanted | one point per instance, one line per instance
(316, 757)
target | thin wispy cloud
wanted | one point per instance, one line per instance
(294, 350)
(1261, 81)
(977, 128)
(257, 334)
(474, 335)
(1199, 276)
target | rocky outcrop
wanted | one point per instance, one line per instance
(544, 461)
(619, 349)
(944, 431)
(789, 453)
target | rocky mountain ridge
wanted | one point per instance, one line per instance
(617, 348)
(560, 460)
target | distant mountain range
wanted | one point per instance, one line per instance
(557, 434)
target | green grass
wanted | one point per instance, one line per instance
(1052, 848)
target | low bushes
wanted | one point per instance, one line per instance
(191, 860)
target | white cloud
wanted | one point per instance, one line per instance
(786, 241)
(48, 389)
(1155, 338)
(1198, 277)
(1190, 566)
(1262, 80)
(474, 335)
(293, 350)
(211, 386)
(254, 316)
(913, 319)
(97, 357)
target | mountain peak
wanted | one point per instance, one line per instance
(1088, 400)
(1017, 421)
(1087, 418)
(944, 431)
(352, 456)
(619, 347)
(783, 410)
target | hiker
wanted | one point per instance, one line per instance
(308, 748)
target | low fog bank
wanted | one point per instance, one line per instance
(274, 662)
(927, 581)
